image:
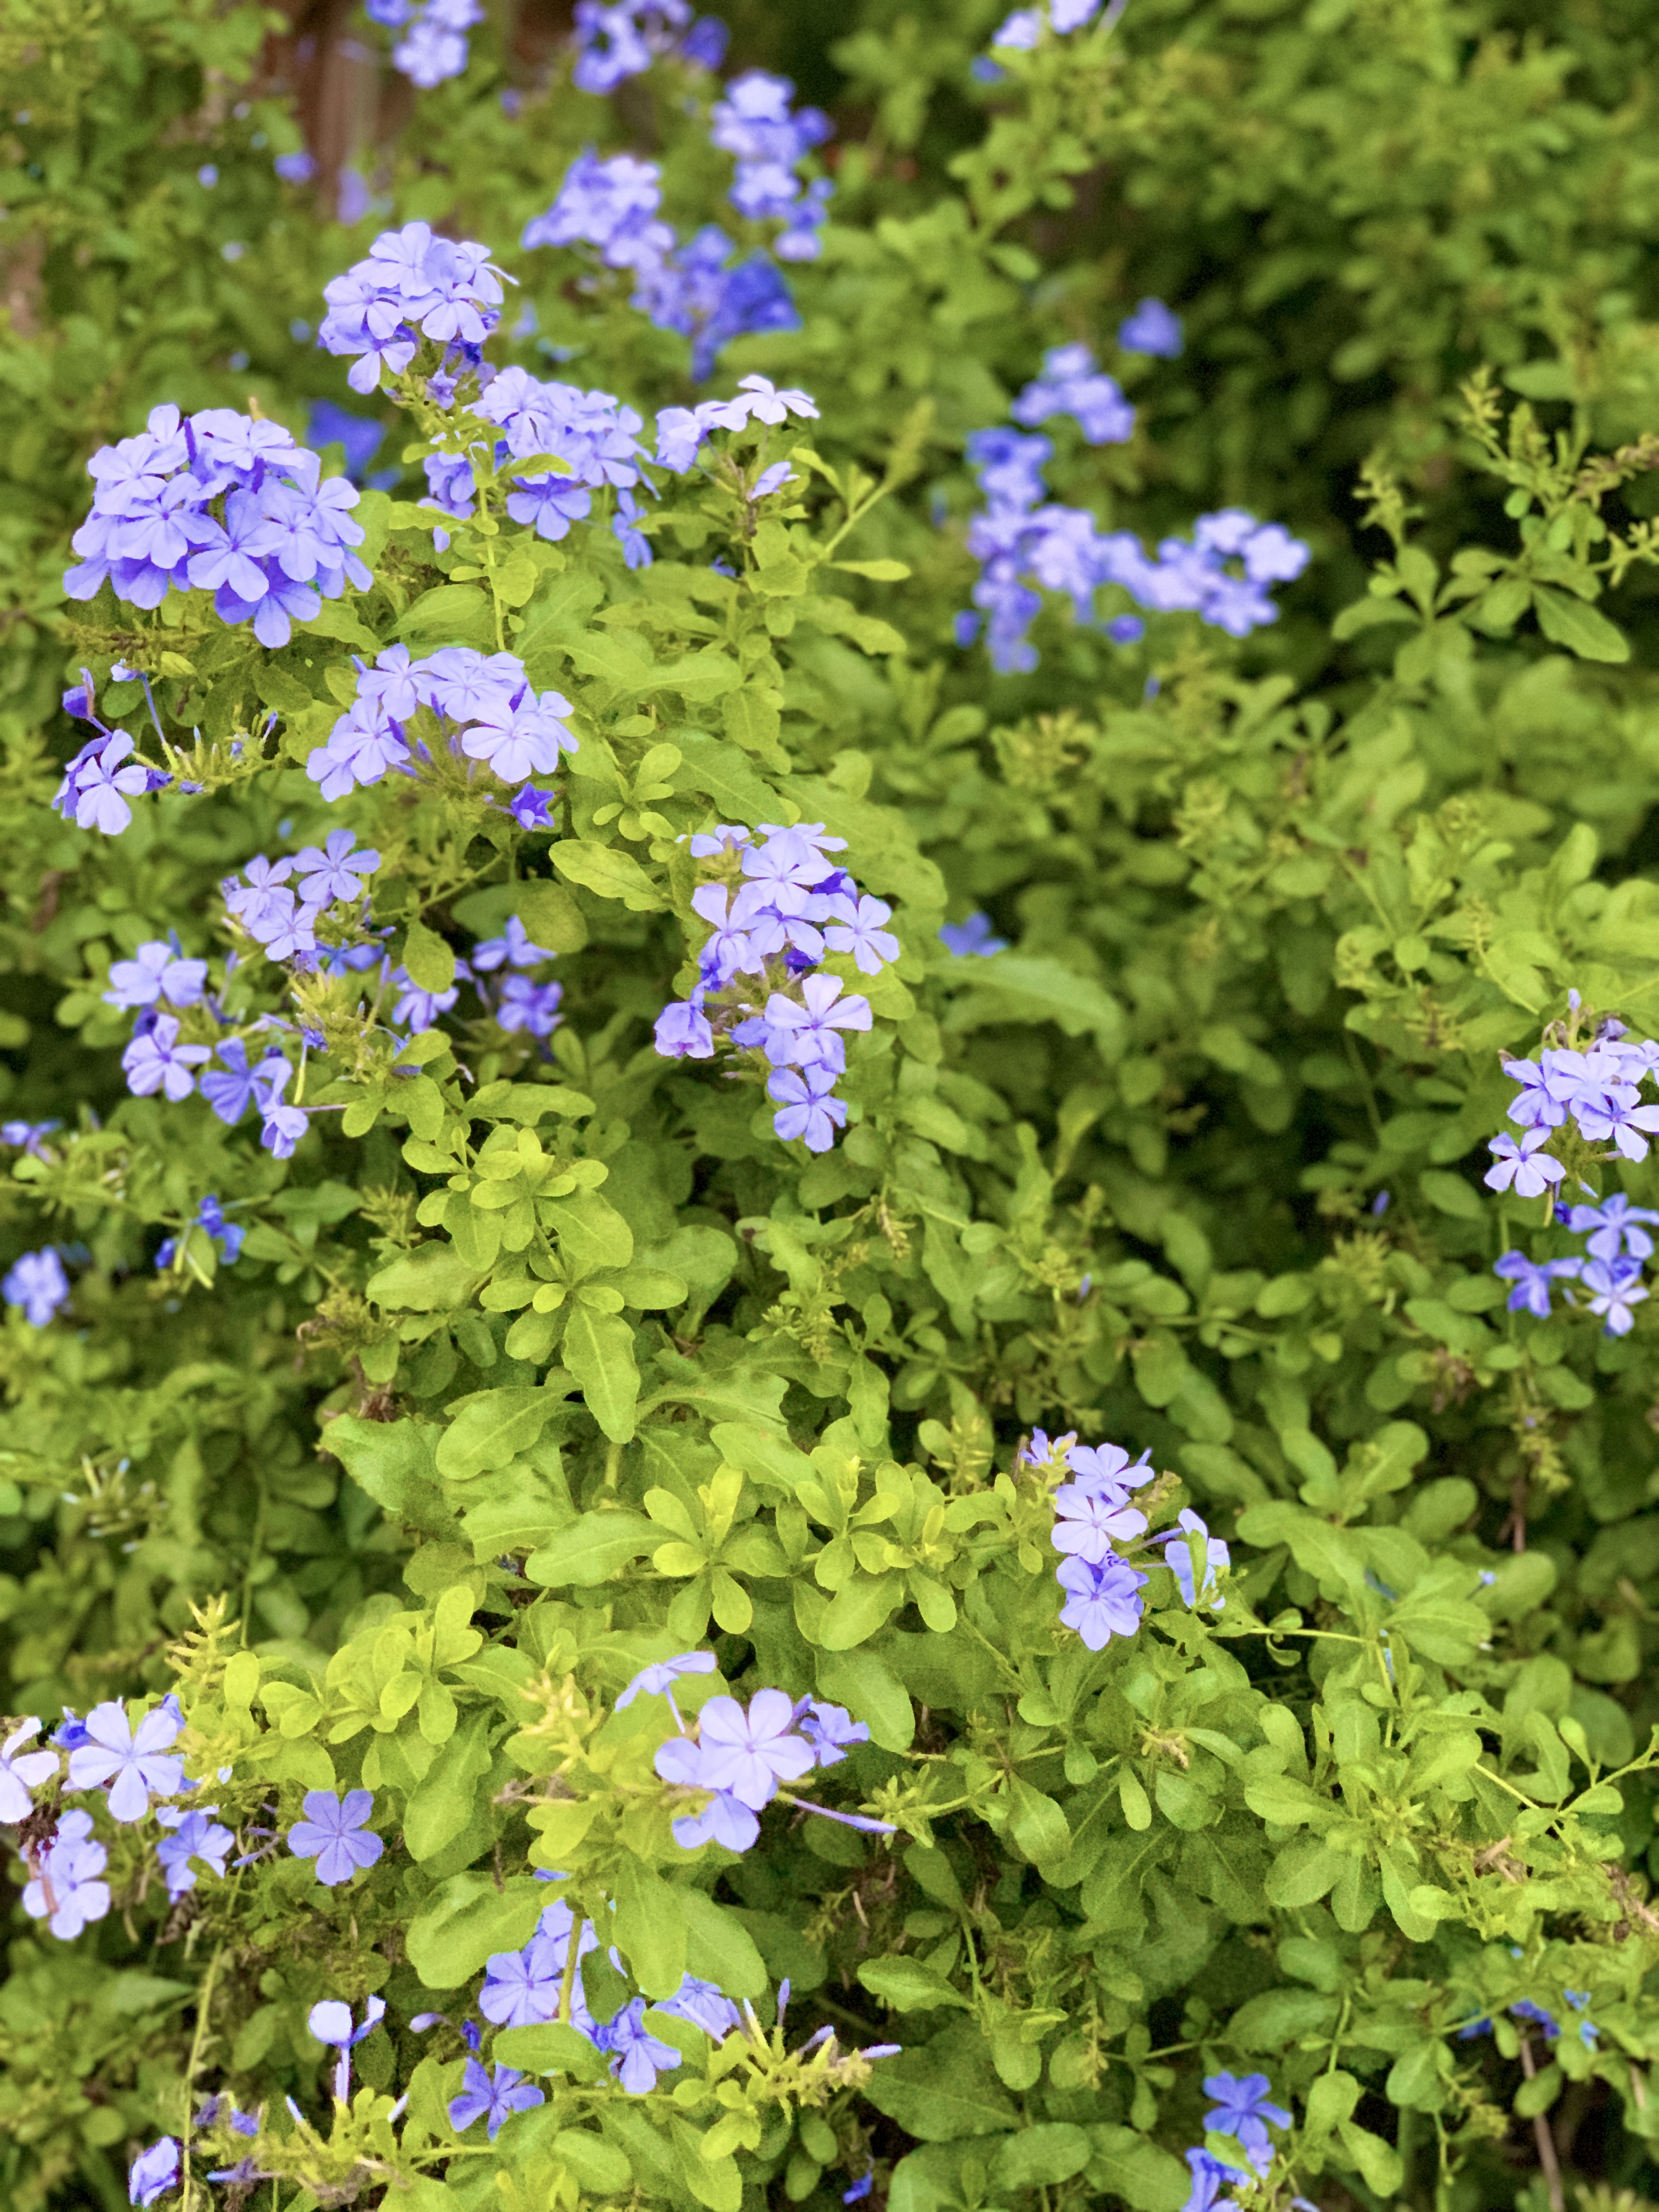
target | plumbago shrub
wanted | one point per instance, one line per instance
(829, 1365)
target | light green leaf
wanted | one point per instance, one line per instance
(432, 1279)
(1568, 621)
(609, 874)
(908, 1987)
(719, 1948)
(492, 1427)
(599, 1350)
(592, 1550)
(446, 1799)
(452, 1935)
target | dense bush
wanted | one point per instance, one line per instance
(824, 1065)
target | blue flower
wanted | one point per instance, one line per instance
(1241, 2108)
(1616, 1287)
(1531, 1170)
(68, 1890)
(705, 2006)
(153, 2172)
(1151, 328)
(831, 1731)
(1615, 1227)
(860, 2190)
(1101, 1602)
(977, 934)
(1177, 1554)
(156, 971)
(37, 1283)
(495, 2097)
(1532, 1281)
(658, 1680)
(514, 947)
(637, 2056)
(1071, 384)
(195, 1836)
(331, 2022)
(526, 1005)
(332, 1832)
(135, 1763)
(1210, 2177)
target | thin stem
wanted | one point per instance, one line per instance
(1545, 2140)
(203, 2008)
(567, 1988)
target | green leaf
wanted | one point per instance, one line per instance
(1568, 621)
(943, 2090)
(1036, 1825)
(394, 1462)
(1378, 2161)
(591, 1233)
(452, 1935)
(549, 2047)
(446, 1798)
(1126, 2164)
(592, 1550)
(432, 1279)
(1039, 2157)
(609, 874)
(492, 1427)
(429, 960)
(600, 2167)
(1277, 2017)
(858, 1609)
(650, 1927)
(1330, 2100)
(599, 1350)
(866, 1686)
(451, 614)
(719, 1948)
(908, 1987)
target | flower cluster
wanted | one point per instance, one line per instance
(413, 285)
(754, 123)
(229, 1236)
(216, 502)
(1242, 2109)
(131, 1764)
(1094, 1518)
(1151, 329)
(434, 45)
(741, 1759)
(1021, 539)
(37, 1286)
(619, 38)
(481, 707)
(1598, 1090)
(774, 908)
(696, 288)
(1022, 30)
(590, 432)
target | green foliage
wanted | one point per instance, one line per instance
(537, 1367)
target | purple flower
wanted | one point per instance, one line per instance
(975, 935)
(526, 1005)
(157, 1062)
(154, 972)
(725, 1820)
(1241, 2108)
(334, 870)
(531, 809)
(522, 1988)
(66, 1890)
(495, 2098)
(831, 1731)
(331, 2022)
(1532, 1280)
(658, 1680)
(855, 927)
(1108, 1467)
(682, 1032)
(230, 1095)
(29, 1136)
(1530, 1170)
(1210, 2177)
(860, 2190)
(1151, 329)
(153, 2172)
(1101, 1602)
(806, 1106)
(1616, 1287)
(1615, 1227)
(749, 1753)
(637, 2055)
(22, 1772)
(1524, 2008)
(134, 1762)
(195, 1835)
(705, 2006)
(1070, 384)
(1178, 1558)
(283, 1124)
(38, 1285)
(514, 948)
(331, 1834)
(1088, 1519)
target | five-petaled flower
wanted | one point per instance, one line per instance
(135, 1763)
(332, 1833)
